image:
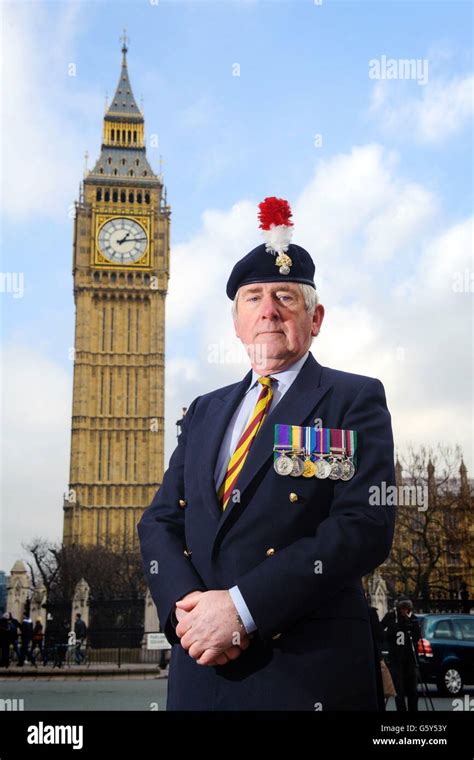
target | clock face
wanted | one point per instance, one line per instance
(122, 240)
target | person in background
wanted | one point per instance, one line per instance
(402, 631)
(80, 630)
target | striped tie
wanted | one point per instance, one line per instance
(240, 454)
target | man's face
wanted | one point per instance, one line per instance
(273, 323)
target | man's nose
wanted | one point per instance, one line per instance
(269, 308)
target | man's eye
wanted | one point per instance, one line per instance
(251, 298)
(285, 298)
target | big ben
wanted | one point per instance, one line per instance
(120, 273)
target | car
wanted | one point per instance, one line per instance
(446, 651)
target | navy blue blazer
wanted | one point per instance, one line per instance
(313, 648)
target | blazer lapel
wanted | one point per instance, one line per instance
(217, 418)
(298, 403)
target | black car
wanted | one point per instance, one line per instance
(446, 651)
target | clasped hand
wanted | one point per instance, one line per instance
(208, 627)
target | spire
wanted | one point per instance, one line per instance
(398, 473)
(464, 489)
(123, 102)
(123, 151)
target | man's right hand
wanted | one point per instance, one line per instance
(222, 659)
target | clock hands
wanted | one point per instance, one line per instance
(134, 240)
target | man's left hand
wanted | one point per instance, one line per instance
(210, 627)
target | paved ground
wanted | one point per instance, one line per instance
(117, 693)
(125, 692)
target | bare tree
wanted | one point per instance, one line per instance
(433, 538)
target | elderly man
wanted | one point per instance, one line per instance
(256, 542)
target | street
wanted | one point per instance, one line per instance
(136, 693)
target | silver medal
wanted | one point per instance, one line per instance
(323, 468)
(336, 470)
(297, 468)
(348, 469)
(283, 465)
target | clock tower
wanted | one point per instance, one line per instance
(120, 271)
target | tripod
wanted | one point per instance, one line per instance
(419, 678)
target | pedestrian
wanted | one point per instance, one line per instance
(80, 631)
(403, 632)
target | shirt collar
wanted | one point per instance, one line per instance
(284, 377)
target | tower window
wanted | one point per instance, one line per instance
(129, 136)
(112, 134)
(107, 196)
(134, 135)
(115, 172)
(131, 198)
(99, 471)
(101, 171)
(123, 162)
(131, 172)
(145, 173)
(123, 196)
(115, 194)
(98, 195)
(123, 135)
(111, 341)
(109, 160)
(147, 197)
(137, 162)
(139, 197)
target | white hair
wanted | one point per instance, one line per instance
(309, 293)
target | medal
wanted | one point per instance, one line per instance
(322, 447)
(298, 466)
(309, 470)
(283, 465)
(335, 472)
(323, 468)
(348, 469)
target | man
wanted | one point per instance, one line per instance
(402, 631)
(80, 630)
(255, 572)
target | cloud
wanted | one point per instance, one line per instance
(35, 459)
(43, 109)
(437, 111)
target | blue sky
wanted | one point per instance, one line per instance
(383, 204)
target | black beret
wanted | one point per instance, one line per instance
(261, 265)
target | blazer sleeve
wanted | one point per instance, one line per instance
(352, 541)
(168, 572)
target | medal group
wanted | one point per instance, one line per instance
(314, 452)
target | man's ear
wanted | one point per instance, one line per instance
(318, 317)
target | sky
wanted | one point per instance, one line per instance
(308, 101)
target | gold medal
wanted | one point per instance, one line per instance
(309, 468)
